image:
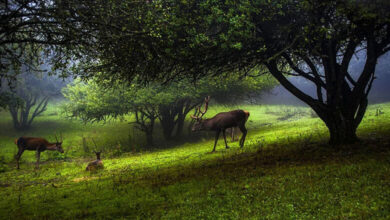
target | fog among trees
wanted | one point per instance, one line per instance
(380, 91)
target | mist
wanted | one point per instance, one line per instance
(380, 91)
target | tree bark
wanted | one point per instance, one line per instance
(145, 123)
(167, 130)
(180, 125)
(167, 120)
(149, 133)
(341, 130)
(149, 138)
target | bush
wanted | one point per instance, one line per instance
(57, 156)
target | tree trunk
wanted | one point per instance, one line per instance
(167, 124)
(149, 132)
(149, 138)
(180, 125)
(167, 120)
(341, 132)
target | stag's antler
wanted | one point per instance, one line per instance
(201, 113)
(61, 139)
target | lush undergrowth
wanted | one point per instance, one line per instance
(285, 171)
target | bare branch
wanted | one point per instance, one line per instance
(349, 51)
(302, 73)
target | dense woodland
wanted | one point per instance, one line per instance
(160, 109)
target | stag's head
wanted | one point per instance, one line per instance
(59, 144)
(199, 125)
(97, 154)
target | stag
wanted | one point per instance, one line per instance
(36, 144)
(220, 122)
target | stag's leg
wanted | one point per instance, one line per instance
(244, 131)
(216, 139)
(38, 157)
(232, 133)
(18, 155)
(224, 137)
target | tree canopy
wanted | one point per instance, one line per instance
(175, 40)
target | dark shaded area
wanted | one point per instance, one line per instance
(264, 161)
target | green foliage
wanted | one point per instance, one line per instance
(95, 103)
(8, 98)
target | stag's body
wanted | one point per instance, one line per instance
(35, 144)
(221, 122)
(224, 120)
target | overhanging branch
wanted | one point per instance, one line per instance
(273, 68)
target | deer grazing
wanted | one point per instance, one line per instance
(220, 122)
(96, 164)
(36, 144)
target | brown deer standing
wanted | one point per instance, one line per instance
(96, 164)
(220, 122)
(36, 144)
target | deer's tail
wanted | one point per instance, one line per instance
(16, 141)
(246, 115)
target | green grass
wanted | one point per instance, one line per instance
(285, 171)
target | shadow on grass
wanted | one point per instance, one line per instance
(263, 162)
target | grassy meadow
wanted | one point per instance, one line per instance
(285, 171)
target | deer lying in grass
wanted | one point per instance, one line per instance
(96, 164)
(220, 122)
(36, 144)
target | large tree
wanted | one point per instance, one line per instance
(28, 96)
(311, 39)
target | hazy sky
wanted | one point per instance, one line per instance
(380, 91)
